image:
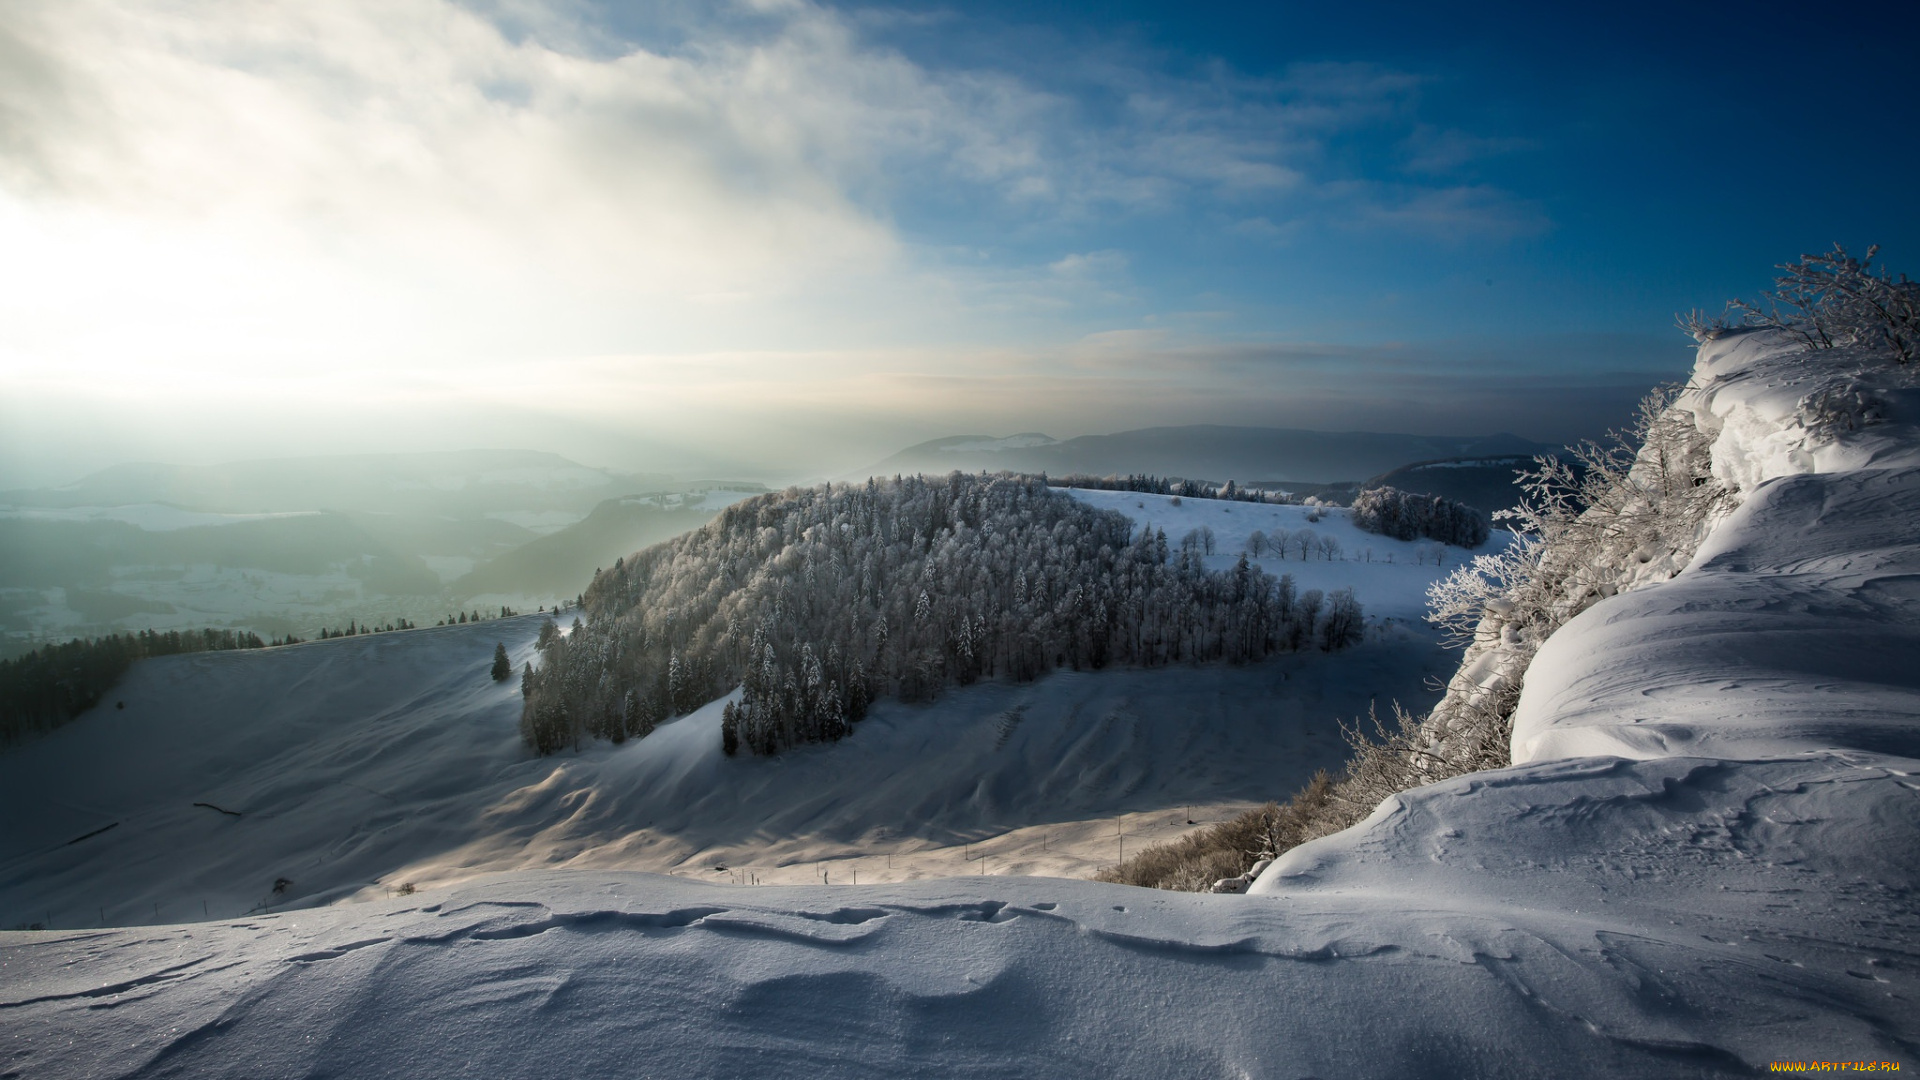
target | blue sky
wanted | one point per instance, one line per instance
(1600, 167)
(693, 235)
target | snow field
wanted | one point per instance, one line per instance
(1389, 577)
(361, 764)
(594, 974)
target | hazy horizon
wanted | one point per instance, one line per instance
(786, 238)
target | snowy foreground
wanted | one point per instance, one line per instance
(1707, 860)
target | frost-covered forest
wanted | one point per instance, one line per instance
(818, 601)
(1404, 515)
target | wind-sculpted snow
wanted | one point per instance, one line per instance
(1792, 628)
(1795, 629)
(592, 974)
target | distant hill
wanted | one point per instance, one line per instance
(560, 565)
(1488, 484)
(456, 483)
(82, 554)
(294, 544)
(1203, 451)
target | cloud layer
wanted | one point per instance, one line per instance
(353, 209)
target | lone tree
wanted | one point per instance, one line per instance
(502, 667)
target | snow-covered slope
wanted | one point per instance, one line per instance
(1390, 577)
(1725, 876)
(360, 764)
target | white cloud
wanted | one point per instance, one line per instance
(1090, 264)
(1468, 212)
(403, 179)
(406, 167)
(1429, 149)
(281, 206)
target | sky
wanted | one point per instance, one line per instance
(789, 238)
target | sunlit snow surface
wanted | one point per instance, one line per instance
(1708, 860)
(363, 763)
(1388, 576)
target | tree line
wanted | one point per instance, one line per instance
(817, 602)
(354, 630)
(55, 683)
(1404, 515)
(1172, 485)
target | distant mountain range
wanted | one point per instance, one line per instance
(292, 545)
(1488, 484)
(455, 483)
(1205, 451)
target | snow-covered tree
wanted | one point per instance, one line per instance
(816, 602)
(1407, 516)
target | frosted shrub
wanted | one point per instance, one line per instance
(1832, 300)
(1610, 518)
(1606, 519)
(1229, 849)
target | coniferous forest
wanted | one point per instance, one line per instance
(819, 601)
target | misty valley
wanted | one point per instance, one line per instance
(291, 547)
